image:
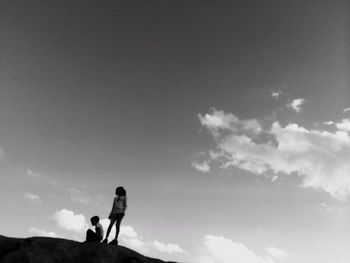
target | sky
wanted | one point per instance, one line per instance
(228, 123)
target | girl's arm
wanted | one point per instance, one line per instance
(124, 205)
(109, 217)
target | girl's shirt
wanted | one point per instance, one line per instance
(119, 205)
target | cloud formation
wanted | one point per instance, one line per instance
(153, 248)
(277, 253)
(32, 174)
(276, 94)
(319, 157)
(223, 250)
(42, 233)
(168, 248)
(69, 221)
(296, 105)
(328, 123)
(201, 166)
(344, 125)
(32, 197)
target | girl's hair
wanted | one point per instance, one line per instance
(120, 191)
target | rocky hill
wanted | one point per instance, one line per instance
(56, 250)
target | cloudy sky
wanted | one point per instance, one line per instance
(227, 122)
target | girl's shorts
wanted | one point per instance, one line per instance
(118, 216)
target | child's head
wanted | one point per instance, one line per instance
(120, 191)
(94, 220)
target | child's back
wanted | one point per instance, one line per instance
(99, 230)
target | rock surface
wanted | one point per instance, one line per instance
(56, 250)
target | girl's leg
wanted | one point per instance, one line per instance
(117, 225)
(111, 223)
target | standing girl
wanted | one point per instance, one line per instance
(117, 213)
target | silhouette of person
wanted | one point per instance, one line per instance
(92, 236)
(117, 213)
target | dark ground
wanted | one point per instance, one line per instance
(56, 250)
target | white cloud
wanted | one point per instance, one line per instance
(276, 253)
(32, 197)
(42, 233)
(328, 123)
(223, 250)
(67, 220)
(201, 166)
(221, 121)
(319, 157)
(274, 178)
(296, 105)
(168, 248)
(125, 231)
(32, 174)
(344, 125)
(130, 238)
(128, 232)
(218, 121)
(346, 109)
(153, 248)
(276, 94)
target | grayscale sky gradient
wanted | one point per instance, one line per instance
(226, 121)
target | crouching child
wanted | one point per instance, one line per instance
(96, 236)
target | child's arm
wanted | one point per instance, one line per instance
(109, 217)
(124, 205)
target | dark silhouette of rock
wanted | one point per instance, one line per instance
(57, 250)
